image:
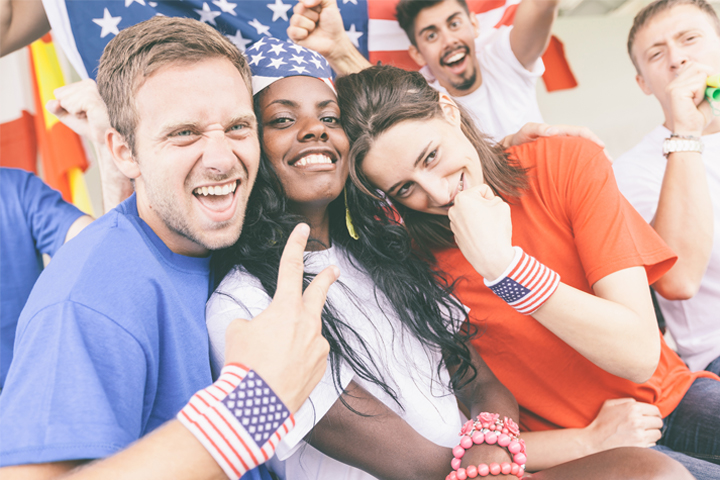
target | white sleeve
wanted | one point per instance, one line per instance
(241, 295)
(640, 179)
(498, 60)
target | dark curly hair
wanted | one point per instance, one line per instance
(419, 297)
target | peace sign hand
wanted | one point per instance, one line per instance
(284, 344)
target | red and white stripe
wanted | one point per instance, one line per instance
(541, 280)
(217, 429)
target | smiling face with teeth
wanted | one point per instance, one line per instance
(432, 161)
(196, 154)
(445, 41)
(303, 140)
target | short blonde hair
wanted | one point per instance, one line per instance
(655, 8)
(139, 51)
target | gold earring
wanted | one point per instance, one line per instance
(348, 219)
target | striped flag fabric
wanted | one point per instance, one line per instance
(83, 28)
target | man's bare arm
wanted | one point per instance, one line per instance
(530, 35)
(21, 23)
(285, 347)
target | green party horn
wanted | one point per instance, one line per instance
(712, 94)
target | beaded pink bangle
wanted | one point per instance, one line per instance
(488, 428)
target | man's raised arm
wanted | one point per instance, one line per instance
(21, 23)
(317, 25)
(532, 26)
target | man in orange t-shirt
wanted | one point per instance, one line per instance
(573, 219)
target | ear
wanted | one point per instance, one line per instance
(450, 109)
(416, 55)
(641, 83)
(475, 24)
(121, 154)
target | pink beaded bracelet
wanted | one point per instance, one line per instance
(488, 428)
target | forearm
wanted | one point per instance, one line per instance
(21, 23)
(346, 59)
(553, 447)
(621, 340)
(379, 441)
(531, 31)
(171, 452)
(684, 219)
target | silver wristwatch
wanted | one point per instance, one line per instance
(682, 143)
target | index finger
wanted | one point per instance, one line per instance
(290, 273)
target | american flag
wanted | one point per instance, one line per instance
(83, 27)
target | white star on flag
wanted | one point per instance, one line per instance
(256, 46)
(297, 48)
(297, 59)
(298, 68)
(277, 49)
(239, 41)
(316, 62)
(276, 62)
(152, 4)
(354, 35)
(108, 23)
(279, 10)
(130, 2)
(261, 29)
(226, 6)
(354, 2)
(256, 59)
(207, 15)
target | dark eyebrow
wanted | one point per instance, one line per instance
(417, 161)
(429, 27)
(282, 101)
(451, 17)
(325, 103)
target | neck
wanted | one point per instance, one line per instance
(319, 220)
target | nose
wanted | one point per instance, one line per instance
(436, 189)
(312, 129)
(677, 58)
(218, 154)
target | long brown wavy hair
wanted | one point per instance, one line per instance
(379, 98)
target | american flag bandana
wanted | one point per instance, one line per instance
(272, 59)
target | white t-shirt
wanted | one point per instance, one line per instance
(506, 99)
(693, 323)
(407, 367)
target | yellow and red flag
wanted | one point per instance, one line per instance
(61, 150)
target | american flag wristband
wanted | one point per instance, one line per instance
(526, 284)
(238, 419)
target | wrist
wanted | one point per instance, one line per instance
(238, 419)
(499, 265)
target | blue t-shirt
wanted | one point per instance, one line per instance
(112, 344)
(34, 219)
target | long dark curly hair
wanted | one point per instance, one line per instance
(419, 297)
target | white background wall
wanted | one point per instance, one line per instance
(607, 99)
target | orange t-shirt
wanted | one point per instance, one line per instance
(573, 219)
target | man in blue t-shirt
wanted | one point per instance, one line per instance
(112, 342)
(34, 220)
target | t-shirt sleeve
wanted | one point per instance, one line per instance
(500, 60)
(609, 233)
(640, 180)
(75, 389)
(49, 216)
(241, 296)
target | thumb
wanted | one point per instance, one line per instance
(486, 192)
(53, 106)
